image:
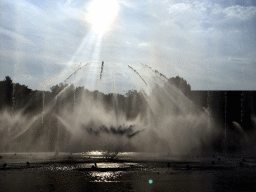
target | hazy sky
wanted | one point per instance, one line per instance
(210, 43)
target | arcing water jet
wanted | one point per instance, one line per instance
(98, 123)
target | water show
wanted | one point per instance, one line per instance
(121, 95)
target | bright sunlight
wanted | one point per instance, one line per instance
(102, 13)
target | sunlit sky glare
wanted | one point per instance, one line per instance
(210, 43)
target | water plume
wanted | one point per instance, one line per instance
(156, 118)
(162, 75)
(102, 65)
(76, 72)
(138, 74)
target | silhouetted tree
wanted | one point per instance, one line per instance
(182, 84)
(58, 88)
(8, 86)
(21, 95)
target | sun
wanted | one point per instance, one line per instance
(102, 13)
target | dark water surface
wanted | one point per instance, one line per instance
(66, 175)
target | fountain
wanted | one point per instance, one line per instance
(156, 118)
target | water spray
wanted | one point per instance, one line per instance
(175, 89)
(102, 65)
(162, 75)
(138, 74)
(151, 110)
(76, 71)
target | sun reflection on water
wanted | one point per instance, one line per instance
(110, 165)
(105, 176)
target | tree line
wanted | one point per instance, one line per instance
(19, 97)
(224, 107)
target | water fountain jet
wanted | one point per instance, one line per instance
(164, 124)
